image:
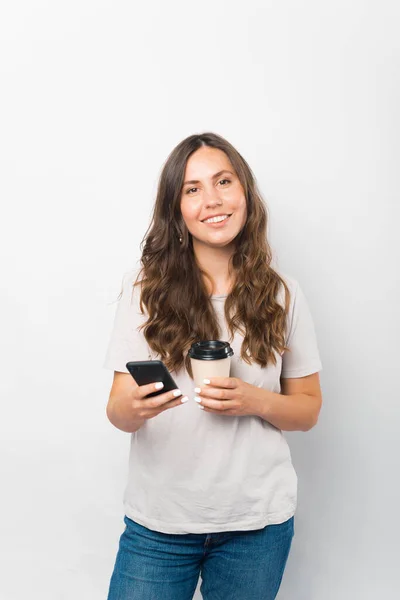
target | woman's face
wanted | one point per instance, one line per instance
(211, 188)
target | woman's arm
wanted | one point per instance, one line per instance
(119, 408)
(296, 408)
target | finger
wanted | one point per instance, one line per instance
(161, 399)
(216, 393)
(173, 403)
(223, 382)
(145, 390)
(218, 405)
(225, 413)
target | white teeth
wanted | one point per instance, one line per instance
(216, 219)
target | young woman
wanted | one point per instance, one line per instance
(211, 492)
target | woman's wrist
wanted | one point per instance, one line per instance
(295, 412)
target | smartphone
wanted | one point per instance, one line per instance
(151, 371)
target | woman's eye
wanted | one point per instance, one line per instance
(221, 181)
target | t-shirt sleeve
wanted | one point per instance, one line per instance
(303, 358)
(126, 342)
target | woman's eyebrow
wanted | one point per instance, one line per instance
(213, 177)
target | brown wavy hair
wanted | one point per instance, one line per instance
(173, 293)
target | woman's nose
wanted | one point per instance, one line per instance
(212, 199)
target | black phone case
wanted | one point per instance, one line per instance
(151, 371)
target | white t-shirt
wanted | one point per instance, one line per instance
(191, 471)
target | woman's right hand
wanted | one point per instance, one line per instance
(128, 408)
(147, 408)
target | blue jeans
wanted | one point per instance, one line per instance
(234, 565)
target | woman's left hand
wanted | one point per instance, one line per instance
(228, 396)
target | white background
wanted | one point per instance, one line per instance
(94, 95)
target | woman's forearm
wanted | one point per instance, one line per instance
(119, 413)
(295, 412)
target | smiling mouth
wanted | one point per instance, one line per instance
(216, 222)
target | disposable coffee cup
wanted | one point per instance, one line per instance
(210, 359)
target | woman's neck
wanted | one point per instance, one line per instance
(215, 262)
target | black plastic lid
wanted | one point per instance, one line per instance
(210, 350)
